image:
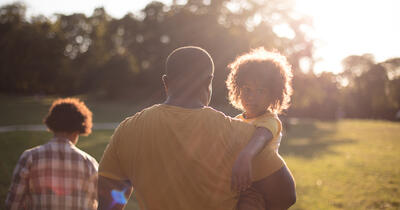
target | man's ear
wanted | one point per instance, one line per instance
(165, 82)
(210, 78)
(208, 81)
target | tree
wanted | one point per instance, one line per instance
(369, 91)
(30, 53)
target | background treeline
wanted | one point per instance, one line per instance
(111, 58)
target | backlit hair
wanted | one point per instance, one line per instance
(69, 115)
(272, 67)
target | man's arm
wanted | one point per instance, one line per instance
(242, 168)
(113, 194)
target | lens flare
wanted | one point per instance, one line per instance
(118, 196)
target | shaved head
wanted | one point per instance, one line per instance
(189, 72)
(189, 63)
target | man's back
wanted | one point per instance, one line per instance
(178, 158)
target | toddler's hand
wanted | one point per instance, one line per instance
(241, 173)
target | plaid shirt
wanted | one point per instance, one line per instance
(56, 175)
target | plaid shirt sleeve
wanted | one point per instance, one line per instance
(18, 192)
(92, 186)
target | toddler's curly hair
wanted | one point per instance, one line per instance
(270, 66)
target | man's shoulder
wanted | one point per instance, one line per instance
(223, 120)
(151, 109)
(208, 113)
(128, 120)
(211, 112)
(157, 108)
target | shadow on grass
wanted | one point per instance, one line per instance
(308, 139)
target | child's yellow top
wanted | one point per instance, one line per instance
(274, 125)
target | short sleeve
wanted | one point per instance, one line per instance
(240, 134)
(267, 160)
(271, 123)
(110, 165)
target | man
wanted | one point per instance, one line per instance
(57, 175)
(179, 154)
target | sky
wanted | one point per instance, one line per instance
(341, 27)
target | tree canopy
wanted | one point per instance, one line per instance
(113, 58)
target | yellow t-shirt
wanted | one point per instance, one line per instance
(179, 158)
(274, 125)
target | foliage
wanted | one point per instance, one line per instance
(121, 58)
(370, 93)
(75, 54)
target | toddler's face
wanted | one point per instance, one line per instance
(254, 97)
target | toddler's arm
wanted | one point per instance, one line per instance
(242, 168)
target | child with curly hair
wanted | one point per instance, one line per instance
(259, 84)
(57, 174)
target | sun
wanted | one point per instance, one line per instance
(352, 27)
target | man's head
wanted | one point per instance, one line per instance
(188, 74)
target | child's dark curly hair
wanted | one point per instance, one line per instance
(272, 67)
(69, 115)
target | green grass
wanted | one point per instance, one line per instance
(350, 164)
(16, 110)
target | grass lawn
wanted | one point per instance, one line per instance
(350, 164)
(16, 110)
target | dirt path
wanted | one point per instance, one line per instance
(96, 126)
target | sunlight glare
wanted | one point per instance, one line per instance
(354, 27)
(284, 31)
